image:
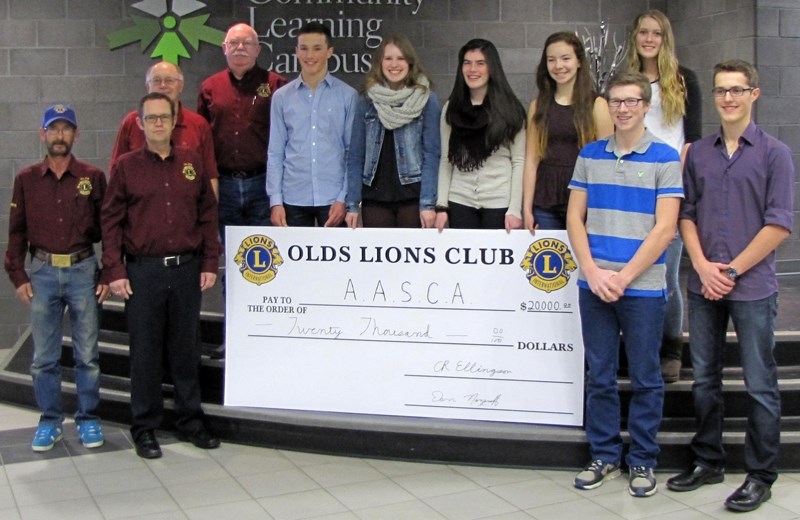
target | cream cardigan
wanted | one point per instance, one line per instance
(496, 184)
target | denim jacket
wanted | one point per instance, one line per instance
(417, 149)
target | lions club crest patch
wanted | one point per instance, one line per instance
(548, 263)
(189, 171)
(263, 90)
(85, 186)
(258, 259)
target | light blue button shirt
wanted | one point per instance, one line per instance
(308, 142)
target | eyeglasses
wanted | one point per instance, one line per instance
(153, 118)
(629, 102)
(735, 91)
(235, 43)
(64, 130)
(166, 81)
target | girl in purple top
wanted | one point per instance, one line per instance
(566, 115)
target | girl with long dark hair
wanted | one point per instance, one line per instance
(483, 146)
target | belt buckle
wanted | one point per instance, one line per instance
(239, 174)
(61, 260)
(172, 261)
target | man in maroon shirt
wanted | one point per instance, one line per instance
(160, 252)
(55, 215)
(191, 130)
(236, 102)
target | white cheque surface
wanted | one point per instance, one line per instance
(480, 325)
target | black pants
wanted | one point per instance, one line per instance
(466, 217)
(390, 214)
(163, 315)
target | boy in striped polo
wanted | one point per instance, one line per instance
(623, 210)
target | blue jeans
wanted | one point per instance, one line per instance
(550, 218)
(242, 202)
(754, 322)
(54, 289)
(673, 321)
(639, 319)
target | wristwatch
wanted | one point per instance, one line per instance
(733, 274)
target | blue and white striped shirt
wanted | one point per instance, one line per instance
(622, 192)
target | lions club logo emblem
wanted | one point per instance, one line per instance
(263, 90)
(258, 259)
(85, 186)
(547, 264)
(189, 171)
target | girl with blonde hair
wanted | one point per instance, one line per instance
(393, 160)
(675, 117)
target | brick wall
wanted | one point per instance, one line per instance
(56, 50)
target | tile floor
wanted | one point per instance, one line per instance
(242, 483)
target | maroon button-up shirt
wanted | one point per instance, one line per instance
(55, 215)
(238, 112)
(159, 207)
(191, 131)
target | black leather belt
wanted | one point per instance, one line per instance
(66, 260)
(242, 174)
(166, 261)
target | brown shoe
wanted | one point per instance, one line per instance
(670, 370)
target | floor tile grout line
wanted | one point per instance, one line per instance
(88, 488)
(73, 452)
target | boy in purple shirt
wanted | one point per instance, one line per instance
(738, 208)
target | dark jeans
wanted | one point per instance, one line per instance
(242, 202)
(466, 217)
(390, 214)
(163, 315)
(754, 322)
(307, 216)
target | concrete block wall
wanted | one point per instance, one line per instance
(56, 50)
(764, 32)
(778, 58)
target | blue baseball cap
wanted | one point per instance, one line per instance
(59, 111)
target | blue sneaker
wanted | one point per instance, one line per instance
(90, 434)
(46, 436)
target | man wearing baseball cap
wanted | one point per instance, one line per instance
(55, 215)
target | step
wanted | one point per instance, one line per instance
(409, 438)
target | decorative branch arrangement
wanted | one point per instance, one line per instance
(603, 64)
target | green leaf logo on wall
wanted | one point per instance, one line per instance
(170, 27)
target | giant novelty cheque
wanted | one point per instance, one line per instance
(463, 324)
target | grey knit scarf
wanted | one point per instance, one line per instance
(397, 108)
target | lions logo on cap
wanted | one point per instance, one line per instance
(85, 186)
(258, 259)
(59, 109)
(263, 90)
(189, 171)
(547, 264)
